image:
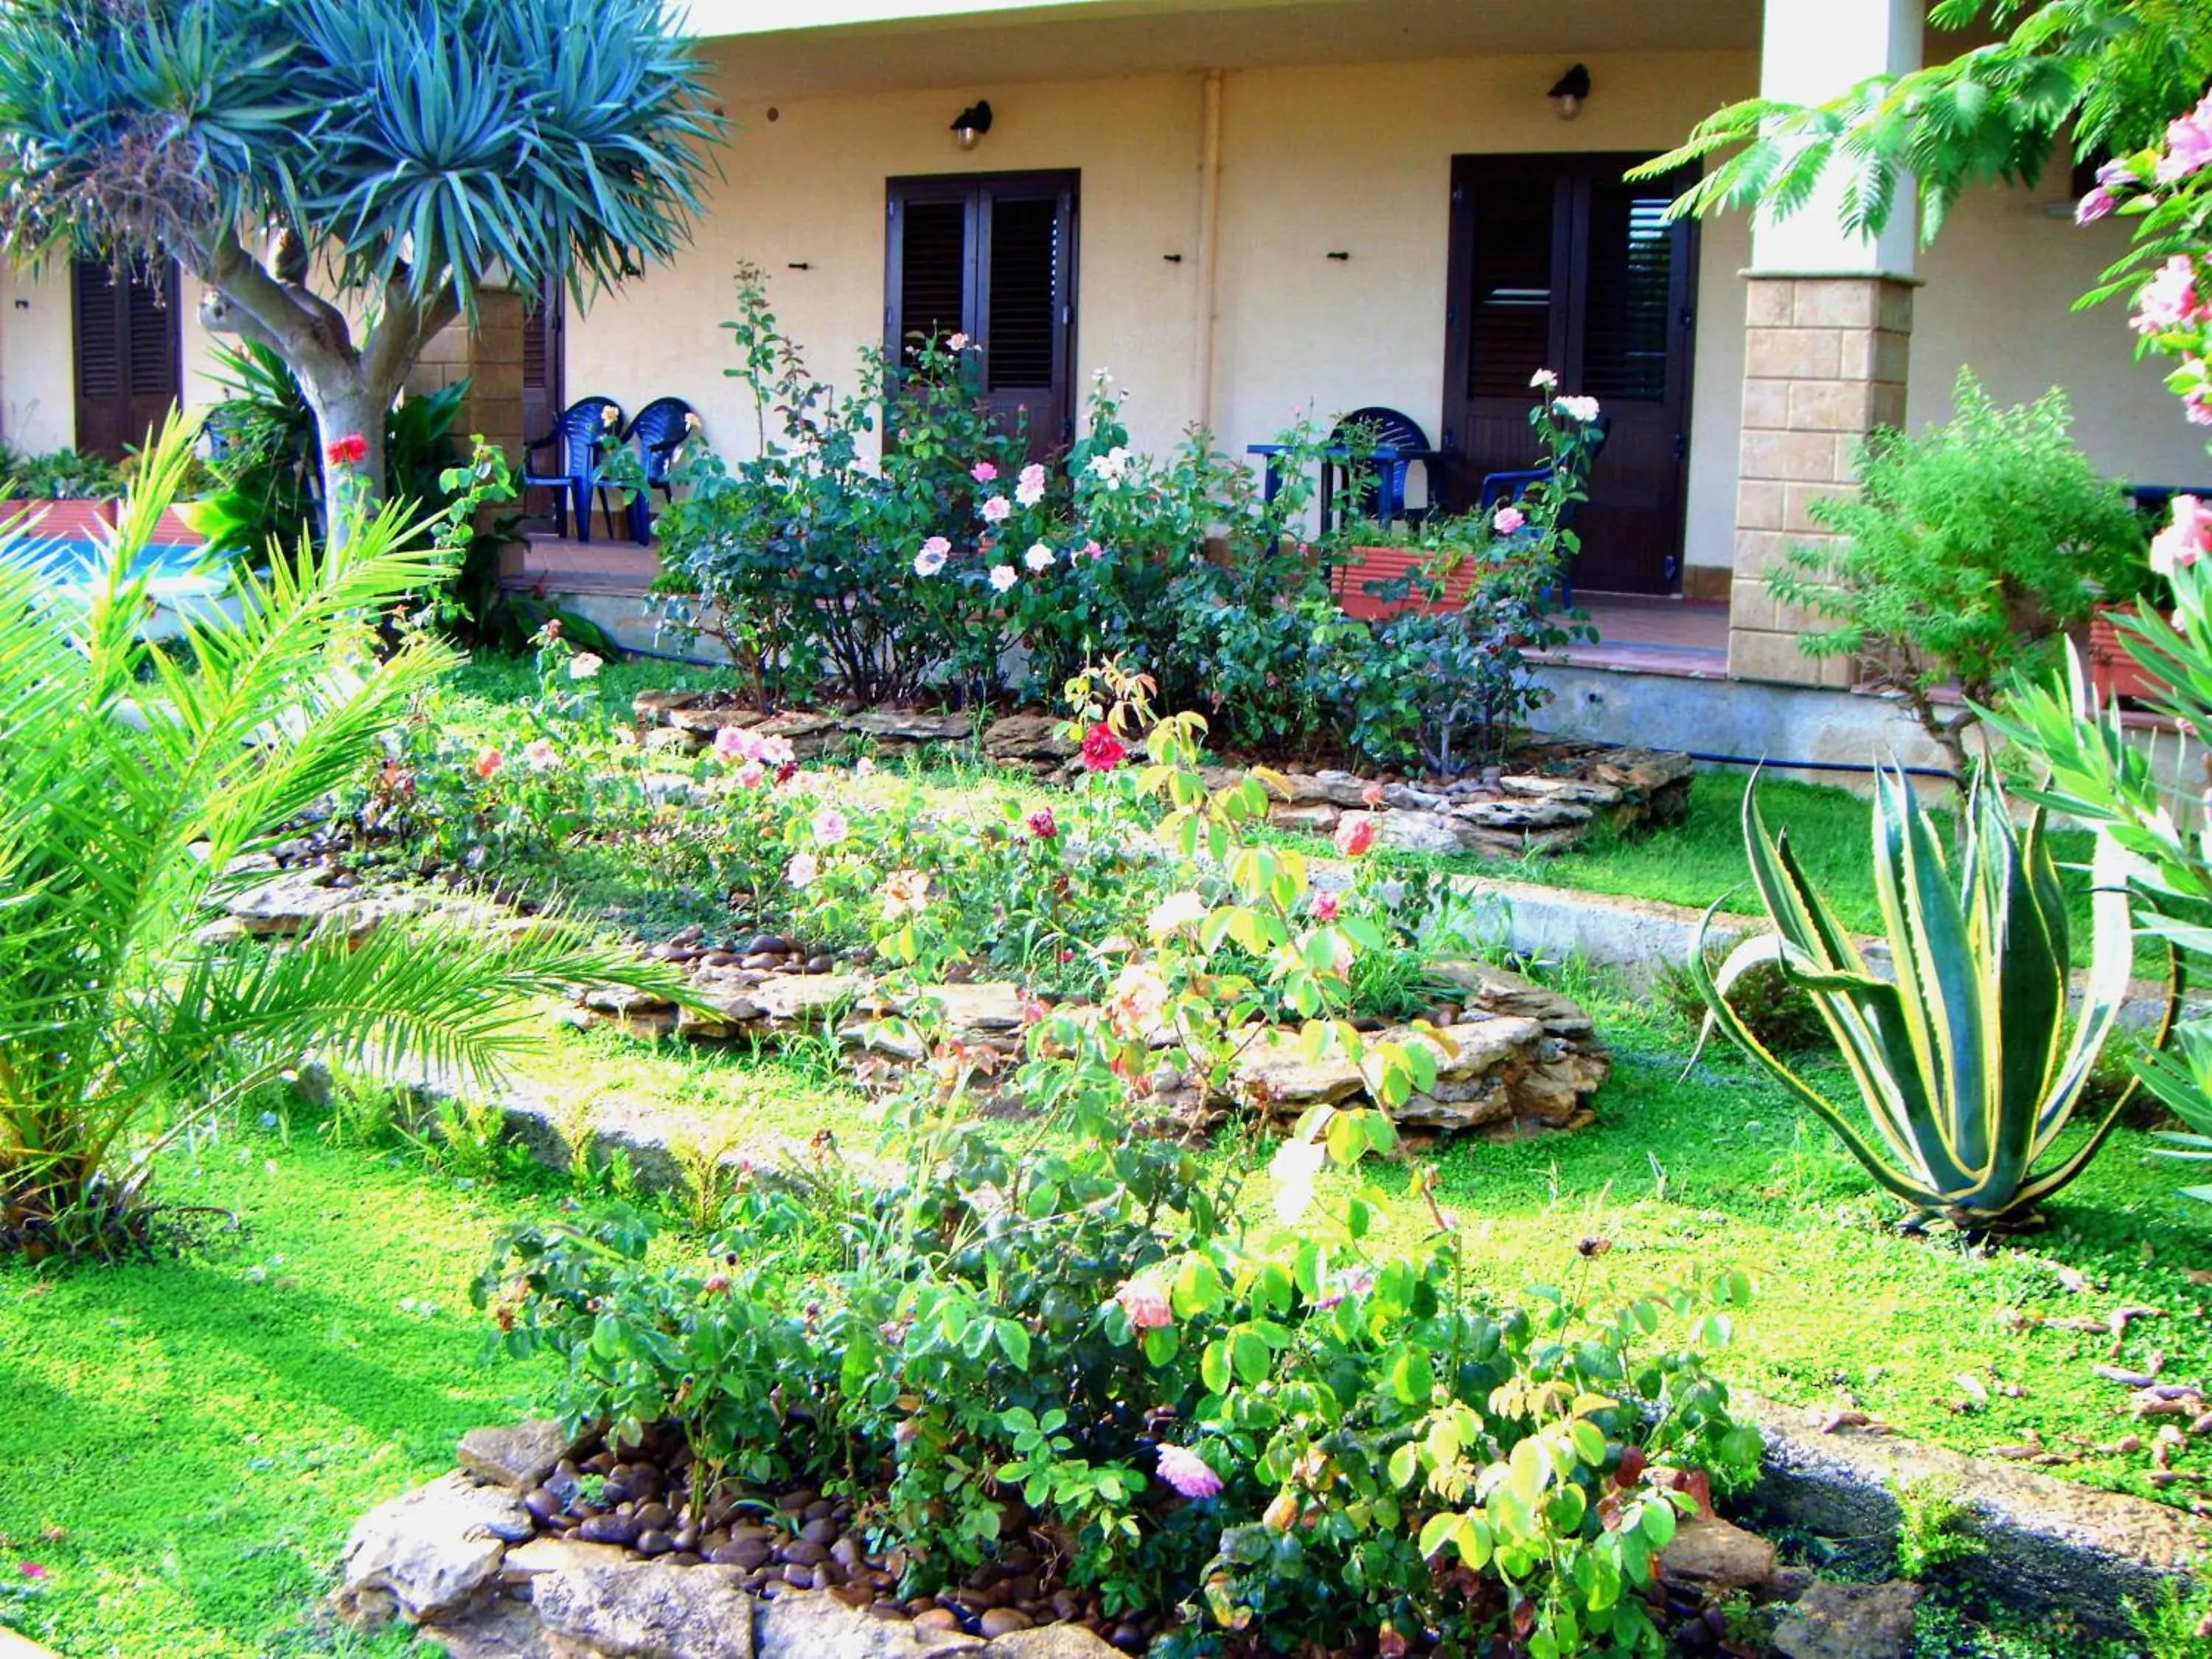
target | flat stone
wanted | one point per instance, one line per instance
(1411, 832)
(1498, 990)
(517, 1458)
(1523, 814)
(1710, 1553)
(1050, 1642)
(708, 724)
(1573, 791)
(651, 705)
(1409, 797)
(1313, 817)
(624, 1000)
(808, 734)
(647, 1610)
(428, 1552)
(910, 726)
(809, 998)
(1342, 788)
(554, 1553)
(819, 1626)
(1850, 1621)
(1028, 738)
(1279, 1078)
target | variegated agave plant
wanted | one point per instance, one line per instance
(1968, 1065)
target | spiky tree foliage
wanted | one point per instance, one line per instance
(2107, 75)
(312, 162)
(132, 780)
(1967, 1065)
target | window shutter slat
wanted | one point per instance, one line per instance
(1630, 276)
(153, 356)
(1025, 280)
(99, 349)
(932, 271)
(1510, 328)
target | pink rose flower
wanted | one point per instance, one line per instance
(1145, 1299)
(983, 472)
(1028, 490)
(542, 756)
(1355, 835)
(33, 1569)
(931, 558)
(1373, 794)
(1325, 907)
(830, 826)
(864, 768)
(733, 743)
(1509, 521)
(1038, 558)
(2170, 300)
(774, 751)
(2188, 144)
(997, 510)
(1093, 550)
(803, 870)
(1188, 1473)
(751, 774)
(488, 761)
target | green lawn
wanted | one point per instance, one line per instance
(199, 1433)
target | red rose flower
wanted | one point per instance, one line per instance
(1355, 835)
(349, 451)
(1042, 825)
(1101, 750)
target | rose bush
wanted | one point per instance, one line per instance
(1249, 1423)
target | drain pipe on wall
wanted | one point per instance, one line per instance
(1209, 244)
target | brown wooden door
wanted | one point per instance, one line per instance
(543, 394)
(1558, 263)
(993, 258)
(129, 368)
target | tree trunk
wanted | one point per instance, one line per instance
(349, 415)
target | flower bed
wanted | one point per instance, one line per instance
(1546, 796)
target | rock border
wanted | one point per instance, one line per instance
(1558, 791)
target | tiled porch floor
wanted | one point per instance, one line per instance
(1675, 637)
(1684, 638)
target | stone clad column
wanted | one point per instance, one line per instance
(487, 356)
(1828, 321)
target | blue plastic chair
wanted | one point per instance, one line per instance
(1499, 488)
(659, 431)
(584, 427)
(1390, 428)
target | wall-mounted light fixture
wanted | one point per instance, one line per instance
(1569, 92)
(971, 124)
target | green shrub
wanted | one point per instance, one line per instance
(1964, 555)
(1779, 1015)
(60, 475)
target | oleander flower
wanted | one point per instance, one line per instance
(349, 451)
(586, 665)
(2097, 204)
(802, 870)
(996, 510)
(1177, 911)
(488, 761)
(1039, 557)
(931, 558)
(1041, 824)
(1509, 521)
(541, 756)
(830, 826)
(1101, 750)
(2170, 300)
(1188, 1473)
(2188, 144)
(1355, 834)
(983, 472)
(1004, 576)
(1145, 1299)
(2186, 539)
